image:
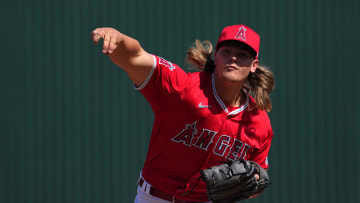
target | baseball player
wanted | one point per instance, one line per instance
(202, 118)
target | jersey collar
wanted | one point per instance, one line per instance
(223, 106)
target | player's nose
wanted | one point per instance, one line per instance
(233, 58)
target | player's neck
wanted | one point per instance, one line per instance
(230, 94)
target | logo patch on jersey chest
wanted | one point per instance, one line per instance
(201, 106)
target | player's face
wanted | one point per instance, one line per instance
(233, 63)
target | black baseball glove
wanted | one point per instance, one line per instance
(234, 181)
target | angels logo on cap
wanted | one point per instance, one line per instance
(240, 33)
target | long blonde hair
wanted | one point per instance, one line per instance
(258, 84)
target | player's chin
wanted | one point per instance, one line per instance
(233, 77)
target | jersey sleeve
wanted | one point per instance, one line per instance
(163, 85)
(261, 155)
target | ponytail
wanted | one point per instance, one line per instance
(258, 84)
(200, 56)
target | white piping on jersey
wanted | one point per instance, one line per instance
(218, 99)
(148, 77)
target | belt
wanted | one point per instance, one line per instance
(163, 195)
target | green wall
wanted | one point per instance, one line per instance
(73, 129)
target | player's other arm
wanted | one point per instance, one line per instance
(125, 52)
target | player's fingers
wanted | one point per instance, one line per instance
(253, 196)
(107, 39)
(112, 45)
(96, 35)
(257, 177)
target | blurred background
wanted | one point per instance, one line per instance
(74, 130)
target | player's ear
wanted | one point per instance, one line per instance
(254, 64)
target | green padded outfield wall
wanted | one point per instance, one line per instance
(73, 129)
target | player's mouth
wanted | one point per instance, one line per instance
(231, 67)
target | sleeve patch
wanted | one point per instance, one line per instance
(166, 63)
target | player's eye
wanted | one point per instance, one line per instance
(226, 52)
(243, 55)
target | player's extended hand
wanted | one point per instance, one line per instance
(111, 38)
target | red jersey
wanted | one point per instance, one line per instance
(194, 129)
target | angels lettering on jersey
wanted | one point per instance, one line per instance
(190, 137)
